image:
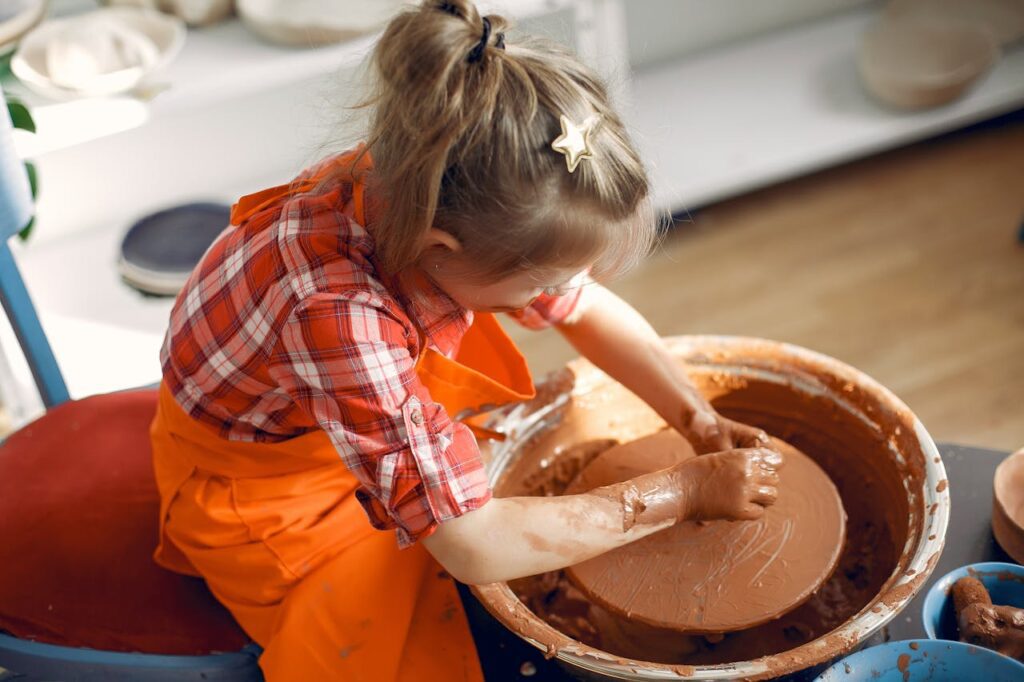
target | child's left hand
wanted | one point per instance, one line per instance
(709, 431)
(606, 326)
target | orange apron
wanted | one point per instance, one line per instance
(277, 533)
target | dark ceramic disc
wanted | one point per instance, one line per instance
(161, 250)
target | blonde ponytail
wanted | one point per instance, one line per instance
(460, 134)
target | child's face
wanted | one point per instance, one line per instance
(510, 293)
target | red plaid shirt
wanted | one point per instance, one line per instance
(285, 327)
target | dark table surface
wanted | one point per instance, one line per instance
(506, 658)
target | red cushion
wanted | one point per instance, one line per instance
(78, 525)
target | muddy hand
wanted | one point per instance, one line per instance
(734, 484)
(709, 431)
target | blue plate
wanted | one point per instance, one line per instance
(924, 659)
(1004, 582)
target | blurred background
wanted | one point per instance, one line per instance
(845, 175)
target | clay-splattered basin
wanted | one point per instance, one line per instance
(884, 463)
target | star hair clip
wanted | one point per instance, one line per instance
(574, 142)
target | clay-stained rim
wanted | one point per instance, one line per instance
(896, 593)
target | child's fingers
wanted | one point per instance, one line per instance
(751, 512)
(706, 433)
(718, 442)
(765, 495)
(768, 477)
(750, 437)
(767, 459)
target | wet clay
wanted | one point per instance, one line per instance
(903, 665)
(855, 453)
(983, 623)
(715, 576)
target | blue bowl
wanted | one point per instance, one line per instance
(924, 659)
(1005, 582)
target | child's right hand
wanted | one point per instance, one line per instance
(732, 484)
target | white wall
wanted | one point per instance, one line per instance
(660, 30)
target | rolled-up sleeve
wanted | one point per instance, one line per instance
(346, 361)
(552, 309)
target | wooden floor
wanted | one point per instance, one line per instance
(906, 265)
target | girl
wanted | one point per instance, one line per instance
(321, 358)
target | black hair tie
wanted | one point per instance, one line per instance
(477, 53)
(449, 8)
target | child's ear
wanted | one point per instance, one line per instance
(442, 239)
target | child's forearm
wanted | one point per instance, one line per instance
(616, 338)
(520, 536)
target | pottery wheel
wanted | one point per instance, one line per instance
(715, 576)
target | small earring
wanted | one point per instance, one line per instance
(437, 266)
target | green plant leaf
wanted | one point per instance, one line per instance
(27, 230)
(20, 116)
(33, 178)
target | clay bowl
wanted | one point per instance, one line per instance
(1008, 506)
(919, 62)
(885, 465)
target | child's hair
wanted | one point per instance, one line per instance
(460, 135)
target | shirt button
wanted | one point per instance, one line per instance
(417, 417)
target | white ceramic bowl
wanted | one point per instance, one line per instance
(309, 23)
(29, 63)
(18, 19)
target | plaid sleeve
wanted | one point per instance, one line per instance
(551, 309)
(347, 362)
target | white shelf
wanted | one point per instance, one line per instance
(221, 62)
(764, 110)
(245, 63)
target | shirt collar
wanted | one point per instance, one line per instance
(443, 321)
